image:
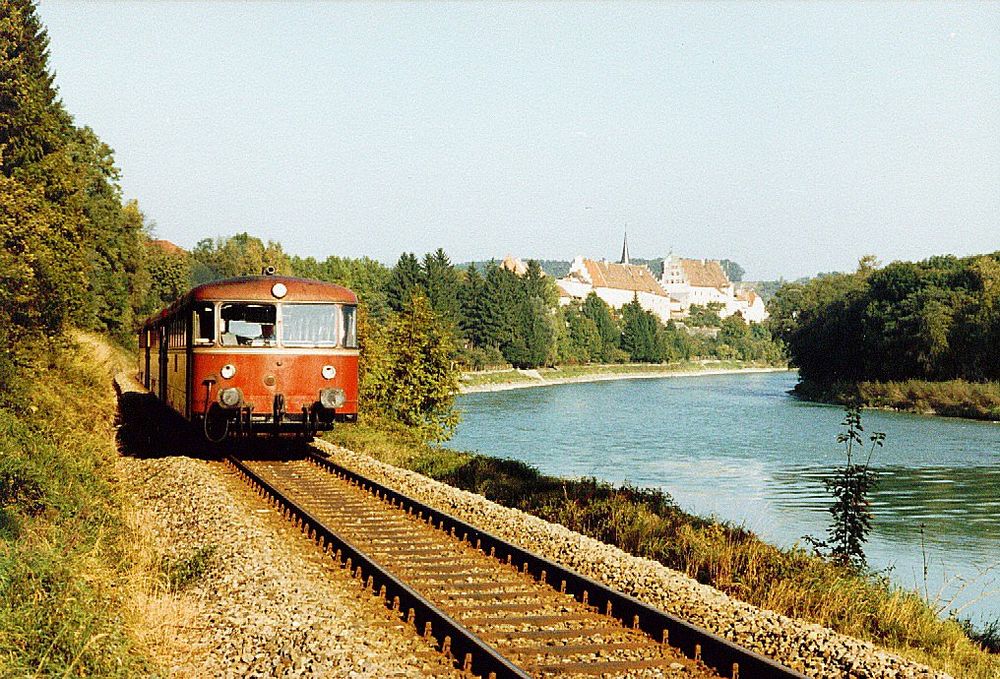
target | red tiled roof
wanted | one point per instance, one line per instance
(634, 277)
(168, 247)
(704, 273)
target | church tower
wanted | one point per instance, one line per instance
(625, 259)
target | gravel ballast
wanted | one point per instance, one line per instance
(810, 648)
(264, 601)
(269, 604)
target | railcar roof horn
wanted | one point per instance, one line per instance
(267, 271)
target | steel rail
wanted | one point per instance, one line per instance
(722, 655)
(454, 639)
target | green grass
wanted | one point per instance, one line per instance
(647, 523)
(950, 398)
(65, 554)
(497, 377)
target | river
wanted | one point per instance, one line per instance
(740, 448)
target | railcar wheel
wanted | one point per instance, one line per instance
(215, 424)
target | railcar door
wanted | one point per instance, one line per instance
(145, 373)
(164, 341)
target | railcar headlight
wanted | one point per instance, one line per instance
(279, 290)
(329, 372)
(332, 398)
(228, 370)
(230, 397)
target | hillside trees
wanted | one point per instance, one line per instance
(78, 251)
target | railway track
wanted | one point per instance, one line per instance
(495, 608)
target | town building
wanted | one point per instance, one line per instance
(617, 284)
(682, 284)
(702, 282)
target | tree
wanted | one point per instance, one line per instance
(851, 486)
(238, 255)
(365, 276)
(734, 271)
(705, 316)
(404, 280)
(639, 333)
(600, 313)
(169, 276)
(442, 284)
(409, 374)
(582, 339)
(533, 342)
(45, 228)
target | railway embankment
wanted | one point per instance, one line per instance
(902, 633)
(257, 599)
(74, 574)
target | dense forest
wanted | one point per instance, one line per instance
(934, 320)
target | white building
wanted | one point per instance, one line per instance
(616, 284)
(702, 282)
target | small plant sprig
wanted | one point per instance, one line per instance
(850, 487)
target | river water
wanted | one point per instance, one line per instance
(740, 448)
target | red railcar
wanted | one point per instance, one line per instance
(257, 353)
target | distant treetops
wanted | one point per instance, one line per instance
(938, 319)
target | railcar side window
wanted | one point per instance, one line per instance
(203, 318)
(350, 327)
(309, 325)
(247, 324)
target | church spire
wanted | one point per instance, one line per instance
(625, 259)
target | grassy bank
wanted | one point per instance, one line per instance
(71, 559)
(951, 398)
(474, 380)
(648, 523)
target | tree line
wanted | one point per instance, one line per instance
(937, 319)
(72, 252)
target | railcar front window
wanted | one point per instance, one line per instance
(350, 339)
(245, 324)
(309, 325)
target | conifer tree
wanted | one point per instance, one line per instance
(404, 280)
(599, 312)
(470, 322)
(441, 284)
(639, 330)
(42, 185)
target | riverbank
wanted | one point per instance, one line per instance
(504, 380)
(951, 398)
(647, 523)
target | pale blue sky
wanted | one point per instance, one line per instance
(791, 137)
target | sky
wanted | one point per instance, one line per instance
(790, 137)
